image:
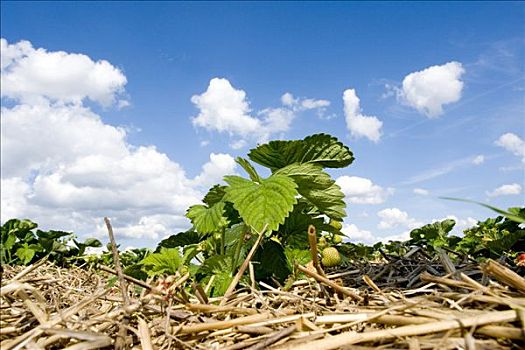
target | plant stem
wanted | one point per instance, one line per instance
(238, 250)
(223, 240)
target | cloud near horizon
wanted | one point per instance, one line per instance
(64, 167)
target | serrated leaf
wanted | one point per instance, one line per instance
(297, 256)
(92, 242)
(273, 261)
(25, 254)
(318, 188)
(216, 264)
(181, 239)
(168, 260)
(322, 149)
(207, 220)
(258, 204)
(214, 195)
(294, 231)
(248, 168)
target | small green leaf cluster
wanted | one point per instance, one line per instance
(22, 245)
(494, 237)
(434, 236)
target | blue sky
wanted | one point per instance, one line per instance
(166, 94)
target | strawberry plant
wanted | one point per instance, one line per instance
(22, 245)
(297, 193)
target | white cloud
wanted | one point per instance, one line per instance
(63, 167)
(238, 144)
(394, 217)
(225, 109)
(421, 191)
(44, 135)
(303, 104)
(512, 143)
(479, 159)
(213, 171)
(432, 88)
(360, 190)
(356, 235)
(358, 124)
(505, 190)
(29, 74)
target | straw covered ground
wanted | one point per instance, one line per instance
(414, 302)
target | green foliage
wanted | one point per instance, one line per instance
(181, 239)
(493, 238)
(167, 261)
(272, 261)
(207, 219)
(21, 245)
(218, 267)
(317, 187)
(321, 149)
(292, 232)
(268, 202)
(252, 173)
(214, 195)
(433, 236)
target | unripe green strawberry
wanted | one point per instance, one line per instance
(338, 225)
(331, 257)
(337, 239)
(322, 242)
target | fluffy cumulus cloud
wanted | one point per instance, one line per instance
(512, 143)
(394, 218)
(357, 123)
(213, 171)
(28, 74)
(430, 89)
(505, 190)
(360, 190)
(225, 109)
(64, 167)
(356, 235)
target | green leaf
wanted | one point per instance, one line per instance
(268, 202)
(318, 188)
(249, 169)
(25, 253)
(299, 256)
(181, 239)
(51, 234)
(216, 264)
(294, 231)
(136, 271)
(92, 242)
(167, 261)
(214, 195)
(434, 234)
(511, 215)
(9, 241)
(207, 220)
(273, 261)
(321, 149)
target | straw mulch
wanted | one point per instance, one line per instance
(414, 302)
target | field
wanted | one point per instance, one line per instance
(265, 265)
